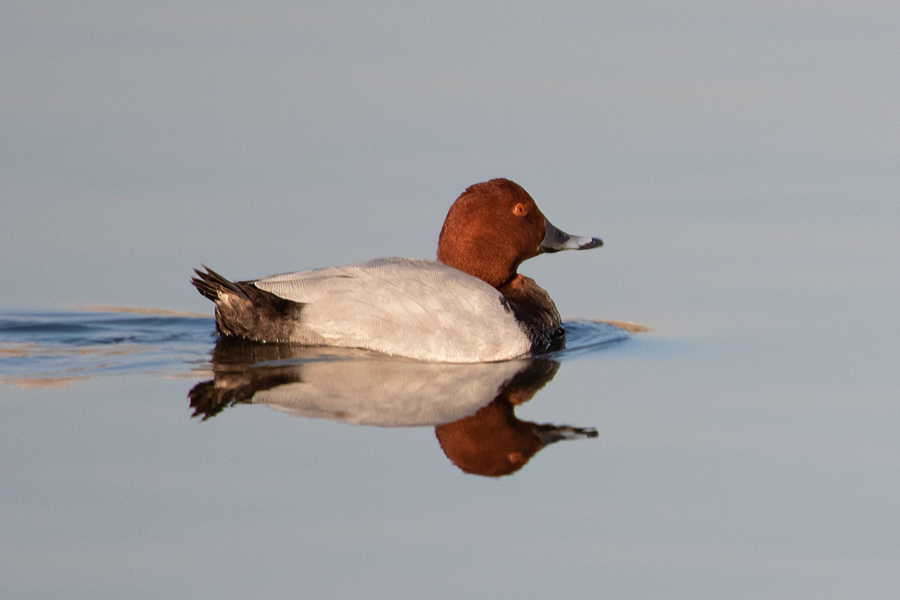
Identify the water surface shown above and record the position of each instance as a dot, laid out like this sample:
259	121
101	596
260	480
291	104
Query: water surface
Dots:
637	464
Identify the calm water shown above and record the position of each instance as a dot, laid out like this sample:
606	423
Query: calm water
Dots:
651	466
740	161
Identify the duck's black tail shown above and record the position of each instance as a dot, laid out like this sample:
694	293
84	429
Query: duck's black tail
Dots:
244	310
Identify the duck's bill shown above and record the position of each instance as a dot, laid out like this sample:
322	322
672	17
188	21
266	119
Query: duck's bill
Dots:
549	433
556	240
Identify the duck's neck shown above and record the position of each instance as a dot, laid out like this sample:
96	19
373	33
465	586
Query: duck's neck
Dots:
496	273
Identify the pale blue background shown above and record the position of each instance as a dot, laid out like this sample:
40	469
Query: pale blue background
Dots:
141	139
741	160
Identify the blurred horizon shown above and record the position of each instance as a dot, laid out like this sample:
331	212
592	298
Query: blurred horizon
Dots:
139	141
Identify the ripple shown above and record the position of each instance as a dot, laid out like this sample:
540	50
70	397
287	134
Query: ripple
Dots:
41	349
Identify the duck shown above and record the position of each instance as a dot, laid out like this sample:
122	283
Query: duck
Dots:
469	306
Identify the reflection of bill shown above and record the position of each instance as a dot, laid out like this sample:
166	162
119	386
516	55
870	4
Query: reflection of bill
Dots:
471	406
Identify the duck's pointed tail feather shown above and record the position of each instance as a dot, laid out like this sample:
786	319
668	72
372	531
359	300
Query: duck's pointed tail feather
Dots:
212	285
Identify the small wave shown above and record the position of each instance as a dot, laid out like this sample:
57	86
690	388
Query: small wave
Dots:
54	349
145	311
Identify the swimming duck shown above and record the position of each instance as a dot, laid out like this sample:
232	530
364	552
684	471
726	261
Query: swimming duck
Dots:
468	306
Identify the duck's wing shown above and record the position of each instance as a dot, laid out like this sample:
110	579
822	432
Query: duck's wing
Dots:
315	284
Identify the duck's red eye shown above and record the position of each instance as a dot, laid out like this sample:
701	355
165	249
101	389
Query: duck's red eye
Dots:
519	210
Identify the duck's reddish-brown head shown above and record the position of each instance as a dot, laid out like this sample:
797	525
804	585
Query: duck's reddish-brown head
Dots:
494	226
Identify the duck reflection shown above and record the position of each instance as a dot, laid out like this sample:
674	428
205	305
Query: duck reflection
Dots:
471	406
493	442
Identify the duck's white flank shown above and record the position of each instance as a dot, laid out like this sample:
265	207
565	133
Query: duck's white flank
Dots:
416	308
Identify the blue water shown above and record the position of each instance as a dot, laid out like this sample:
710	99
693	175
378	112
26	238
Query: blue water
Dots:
50	345
141	458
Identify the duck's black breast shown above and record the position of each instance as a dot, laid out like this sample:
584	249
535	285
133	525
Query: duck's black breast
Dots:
535	312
